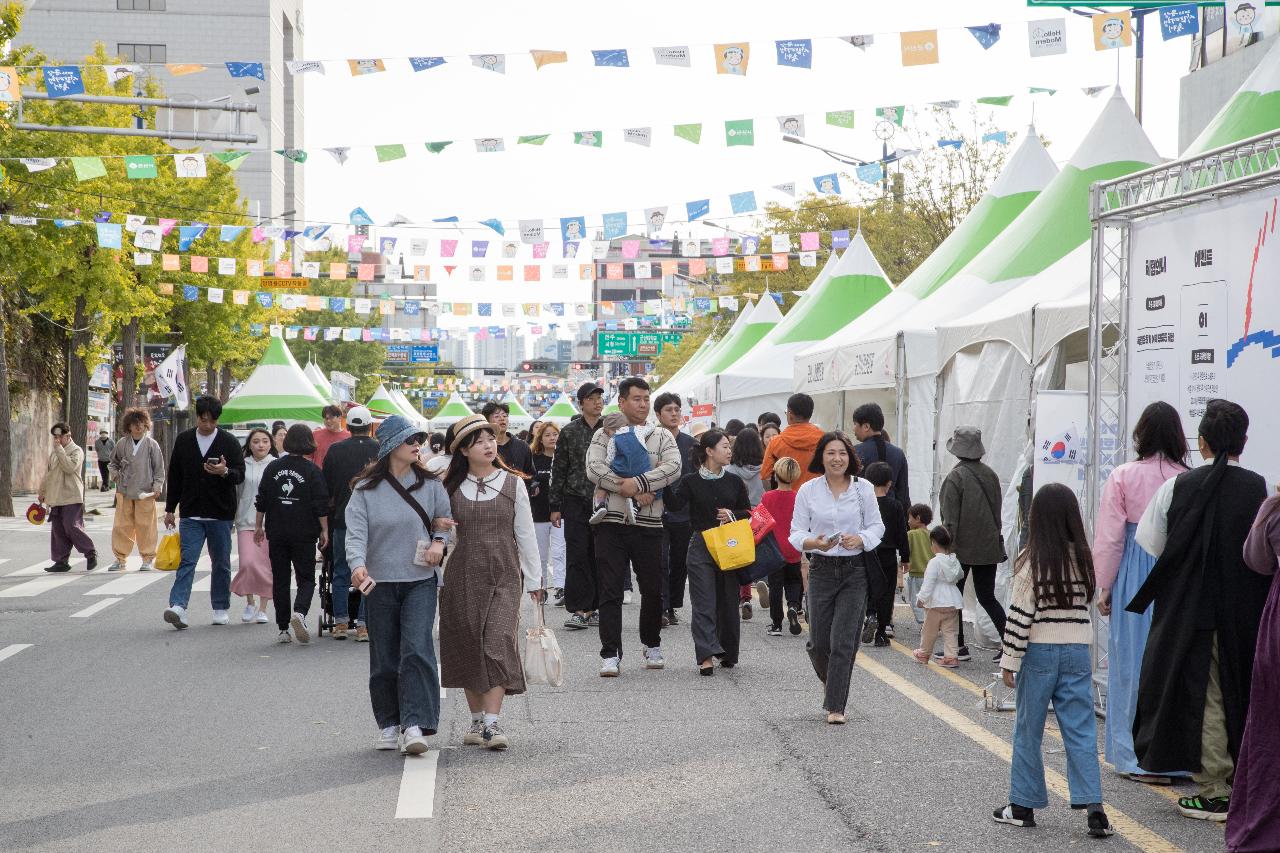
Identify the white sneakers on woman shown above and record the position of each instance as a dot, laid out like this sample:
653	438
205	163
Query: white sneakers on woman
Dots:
388	738
249	614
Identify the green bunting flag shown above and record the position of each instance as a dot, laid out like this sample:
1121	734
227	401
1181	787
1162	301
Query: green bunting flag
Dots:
387	153
691	132
297	155
739	132
590	138
437	147
1037	90
138	166
1001	101
840	118
88	167
893	114
536	139
231	159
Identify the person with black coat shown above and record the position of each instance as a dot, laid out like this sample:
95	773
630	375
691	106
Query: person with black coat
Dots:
868	428
894	552
342	463
713	496
293	515
205	467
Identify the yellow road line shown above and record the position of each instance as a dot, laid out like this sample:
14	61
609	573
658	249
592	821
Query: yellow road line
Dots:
1125	826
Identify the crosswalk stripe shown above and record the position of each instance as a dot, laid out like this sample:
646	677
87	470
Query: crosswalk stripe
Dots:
126	584
31	588
96	607
11	650
39	568
418	786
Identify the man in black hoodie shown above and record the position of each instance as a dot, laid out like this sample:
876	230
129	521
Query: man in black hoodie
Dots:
206	466
342	463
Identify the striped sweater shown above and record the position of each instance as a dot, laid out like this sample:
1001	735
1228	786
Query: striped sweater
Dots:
1033	621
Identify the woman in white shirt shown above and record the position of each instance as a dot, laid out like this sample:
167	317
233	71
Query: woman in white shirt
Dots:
496	553
253	574
837	523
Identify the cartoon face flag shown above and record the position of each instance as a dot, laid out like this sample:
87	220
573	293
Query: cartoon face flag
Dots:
190	165
655	218
510	249
361	67
828	183
569	250
590	138
791	125
732	58
148	238
1112	30
860	42
118	73
489	145
531	230
573	228
496	62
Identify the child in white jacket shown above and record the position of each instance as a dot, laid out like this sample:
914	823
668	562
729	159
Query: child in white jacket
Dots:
941	600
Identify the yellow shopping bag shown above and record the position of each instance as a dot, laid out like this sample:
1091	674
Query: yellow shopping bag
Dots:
732	545
169	554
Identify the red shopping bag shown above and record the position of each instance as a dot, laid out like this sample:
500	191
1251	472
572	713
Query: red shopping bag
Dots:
762	523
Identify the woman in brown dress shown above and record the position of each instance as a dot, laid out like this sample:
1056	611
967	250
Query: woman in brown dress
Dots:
495	555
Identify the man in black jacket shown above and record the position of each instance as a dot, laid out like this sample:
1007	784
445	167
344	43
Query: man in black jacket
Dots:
676	530
206	466
570	501
342	463
868	428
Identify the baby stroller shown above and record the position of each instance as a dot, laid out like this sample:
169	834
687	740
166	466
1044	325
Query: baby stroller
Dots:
326	596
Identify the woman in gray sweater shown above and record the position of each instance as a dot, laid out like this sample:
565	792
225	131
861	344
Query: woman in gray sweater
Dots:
395	505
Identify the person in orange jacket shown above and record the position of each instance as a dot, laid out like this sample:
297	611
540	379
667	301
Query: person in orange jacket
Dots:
798	440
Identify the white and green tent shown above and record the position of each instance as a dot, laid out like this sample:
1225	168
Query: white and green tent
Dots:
1254	109
694	373
318	379
277	389
408	406
453	410
383	404
561	411
518	417
761	380
740	340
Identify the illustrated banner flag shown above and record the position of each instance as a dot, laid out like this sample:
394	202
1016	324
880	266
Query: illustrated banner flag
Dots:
732	58
1112	30
572	228
739	132
110	235
840	118
987	35
638	135
828	183
38	164
361	67
655	218
781	243
611	58
691	132
246	69
489	145
743	202
426	63
1175	21
548	57
615	225
138	166
479	248
860	42
510	249
792	125
920	47
63	80
496	62
697	209
1047	37
590	138
677	56
304	67
795	53
531	230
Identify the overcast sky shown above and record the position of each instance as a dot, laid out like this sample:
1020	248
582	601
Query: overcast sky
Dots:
460	102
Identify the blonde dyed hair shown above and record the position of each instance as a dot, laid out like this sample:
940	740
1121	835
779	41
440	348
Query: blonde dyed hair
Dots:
786	469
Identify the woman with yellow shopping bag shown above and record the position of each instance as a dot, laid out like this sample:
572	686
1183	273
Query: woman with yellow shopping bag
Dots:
715	497
837	523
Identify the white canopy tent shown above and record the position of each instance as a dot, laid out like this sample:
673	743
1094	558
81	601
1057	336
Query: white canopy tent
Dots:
764	317
518	418
694	373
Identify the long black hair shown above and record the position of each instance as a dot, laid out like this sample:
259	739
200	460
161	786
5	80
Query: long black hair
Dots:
380	469
459	465
1159	431
1057	551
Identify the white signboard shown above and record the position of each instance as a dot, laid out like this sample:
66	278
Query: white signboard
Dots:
1204	316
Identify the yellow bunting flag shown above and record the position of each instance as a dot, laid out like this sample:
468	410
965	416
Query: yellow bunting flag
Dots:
548	57
920	47
180	69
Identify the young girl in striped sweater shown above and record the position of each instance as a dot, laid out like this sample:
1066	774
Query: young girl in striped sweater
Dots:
1049	630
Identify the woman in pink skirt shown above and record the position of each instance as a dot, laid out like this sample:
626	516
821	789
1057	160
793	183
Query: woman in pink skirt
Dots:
253	578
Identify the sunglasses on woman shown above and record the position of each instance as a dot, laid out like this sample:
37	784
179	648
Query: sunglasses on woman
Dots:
415	440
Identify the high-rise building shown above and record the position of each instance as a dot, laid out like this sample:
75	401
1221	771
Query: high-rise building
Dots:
154	33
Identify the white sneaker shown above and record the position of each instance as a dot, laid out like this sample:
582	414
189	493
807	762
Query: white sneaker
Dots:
299	625
249	614
117	566
147	566
283	638
609	668
653	657
176	616
388	738
220	617
262	617
626	596
414	743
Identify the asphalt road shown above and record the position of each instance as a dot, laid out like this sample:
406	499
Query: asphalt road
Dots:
121	734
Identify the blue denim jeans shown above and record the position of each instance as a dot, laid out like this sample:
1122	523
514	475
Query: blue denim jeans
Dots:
1061	673
193	535
341	588
404	678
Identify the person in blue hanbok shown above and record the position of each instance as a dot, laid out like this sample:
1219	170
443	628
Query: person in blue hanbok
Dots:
1122	567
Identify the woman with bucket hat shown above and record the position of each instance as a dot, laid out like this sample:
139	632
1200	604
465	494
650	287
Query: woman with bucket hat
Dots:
494	558
400	577
970	502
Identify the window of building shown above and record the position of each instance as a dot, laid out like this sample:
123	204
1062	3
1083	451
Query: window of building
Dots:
141	5
142	52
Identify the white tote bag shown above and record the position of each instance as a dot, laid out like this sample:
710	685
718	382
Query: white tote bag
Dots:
543	663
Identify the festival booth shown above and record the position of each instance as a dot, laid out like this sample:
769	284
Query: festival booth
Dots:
694	375
277	390
410	408
741	340
561	412
385	402
868	361
453	410
762	380
318	379
517	418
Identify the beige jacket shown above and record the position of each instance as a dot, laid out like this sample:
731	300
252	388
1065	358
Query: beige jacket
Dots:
64	483
139	472
664	462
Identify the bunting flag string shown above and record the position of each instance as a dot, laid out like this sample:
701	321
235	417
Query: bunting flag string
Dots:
918	47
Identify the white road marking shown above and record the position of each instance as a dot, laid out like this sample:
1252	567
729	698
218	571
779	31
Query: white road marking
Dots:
10	651
418	787
38	568
126	584
96	607
37	586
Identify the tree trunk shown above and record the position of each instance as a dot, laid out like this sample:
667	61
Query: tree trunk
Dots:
6	422
129	363
78	376
211	381
224	387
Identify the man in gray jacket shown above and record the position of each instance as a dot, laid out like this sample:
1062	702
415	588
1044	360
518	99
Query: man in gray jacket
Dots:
103	447
970	504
